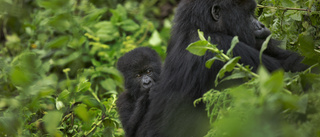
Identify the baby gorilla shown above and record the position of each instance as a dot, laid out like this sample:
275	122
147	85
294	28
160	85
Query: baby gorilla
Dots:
141	68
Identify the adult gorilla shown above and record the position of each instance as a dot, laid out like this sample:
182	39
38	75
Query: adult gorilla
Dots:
185	78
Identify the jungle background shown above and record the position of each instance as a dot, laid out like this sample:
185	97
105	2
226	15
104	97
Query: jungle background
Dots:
58	75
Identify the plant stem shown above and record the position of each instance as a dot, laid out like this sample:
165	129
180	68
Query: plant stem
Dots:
240	66
283	8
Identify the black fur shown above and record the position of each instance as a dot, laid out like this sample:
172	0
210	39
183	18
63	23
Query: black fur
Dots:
185	78
141	69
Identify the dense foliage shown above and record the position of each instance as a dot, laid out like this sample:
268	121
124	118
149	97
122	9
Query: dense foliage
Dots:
58	75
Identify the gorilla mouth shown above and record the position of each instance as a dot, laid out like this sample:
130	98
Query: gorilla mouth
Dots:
147	87
262	34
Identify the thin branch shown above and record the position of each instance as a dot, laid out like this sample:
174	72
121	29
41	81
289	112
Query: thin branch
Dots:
283	8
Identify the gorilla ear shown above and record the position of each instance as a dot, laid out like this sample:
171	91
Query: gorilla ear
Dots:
215	12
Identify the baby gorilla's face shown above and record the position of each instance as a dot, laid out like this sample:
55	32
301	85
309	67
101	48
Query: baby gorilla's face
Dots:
145	79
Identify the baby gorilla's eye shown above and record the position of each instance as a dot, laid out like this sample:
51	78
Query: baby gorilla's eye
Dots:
138	75
149	71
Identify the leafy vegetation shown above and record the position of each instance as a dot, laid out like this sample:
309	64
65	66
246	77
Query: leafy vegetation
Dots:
57	63
57	74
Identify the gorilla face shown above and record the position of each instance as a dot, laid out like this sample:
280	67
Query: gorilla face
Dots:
141	69
145	79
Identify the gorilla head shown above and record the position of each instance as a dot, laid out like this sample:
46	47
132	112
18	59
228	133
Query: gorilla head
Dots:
141	69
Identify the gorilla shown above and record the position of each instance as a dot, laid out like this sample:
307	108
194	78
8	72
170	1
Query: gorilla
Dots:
141	69
184	77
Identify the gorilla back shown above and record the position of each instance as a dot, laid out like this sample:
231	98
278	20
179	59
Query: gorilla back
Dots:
185	78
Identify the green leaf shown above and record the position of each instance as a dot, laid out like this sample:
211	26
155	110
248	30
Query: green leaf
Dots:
108	84
270	84
287	3
228	67
82	112
264	74
129	25
20	77
155	38
93	16
83	86
234	42
234	76
51	121
198	48
53	4
91	102
64	95
72	57
211	61
306	47
119	14
264	47
58	42
303	104
275	82
61	22
296	16
201	35
106	31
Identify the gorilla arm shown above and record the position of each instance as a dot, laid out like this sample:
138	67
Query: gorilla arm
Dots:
290	61
141	106
125	108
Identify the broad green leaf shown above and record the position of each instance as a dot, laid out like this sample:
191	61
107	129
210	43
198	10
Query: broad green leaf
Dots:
91	102
106	31
303	104
234	42
82	112
72	57
296	16
93	16
234	76
28	62
64	95
211	61
20	77
53	4
58	42
155	38
228	67
306	47
129	25
12	40
275	83
51	121
198	48
83	86
61	22
119	14
108	84
288	3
